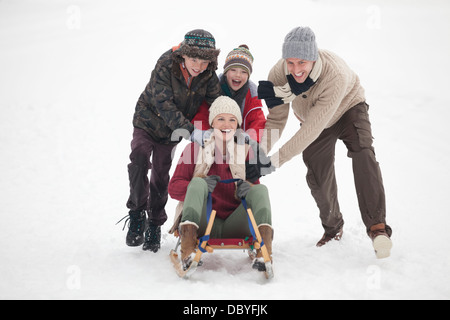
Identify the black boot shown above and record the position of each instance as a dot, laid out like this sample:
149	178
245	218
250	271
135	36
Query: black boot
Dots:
152	238
136	226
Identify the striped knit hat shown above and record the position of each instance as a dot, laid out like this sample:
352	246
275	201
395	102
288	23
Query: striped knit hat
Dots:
239	58
200	38
199	44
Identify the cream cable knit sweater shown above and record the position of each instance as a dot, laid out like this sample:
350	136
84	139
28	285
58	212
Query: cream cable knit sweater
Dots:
336	91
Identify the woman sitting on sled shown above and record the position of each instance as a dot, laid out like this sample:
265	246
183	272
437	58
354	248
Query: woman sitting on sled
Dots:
198	173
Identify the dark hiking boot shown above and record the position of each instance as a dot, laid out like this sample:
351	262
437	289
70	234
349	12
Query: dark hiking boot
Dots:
328	237
152	238
136	226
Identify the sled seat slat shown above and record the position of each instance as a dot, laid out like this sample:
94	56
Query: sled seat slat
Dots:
230	243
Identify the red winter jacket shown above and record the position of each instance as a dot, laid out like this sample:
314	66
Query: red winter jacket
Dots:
223	198
253	116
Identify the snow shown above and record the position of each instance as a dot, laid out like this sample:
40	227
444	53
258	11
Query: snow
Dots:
71	73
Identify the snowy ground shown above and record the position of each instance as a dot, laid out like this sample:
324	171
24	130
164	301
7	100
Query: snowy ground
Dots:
71	73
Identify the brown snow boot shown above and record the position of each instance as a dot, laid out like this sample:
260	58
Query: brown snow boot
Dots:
267	236
381	241
188	242
328	237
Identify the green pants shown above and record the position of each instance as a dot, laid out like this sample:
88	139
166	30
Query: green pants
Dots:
236	225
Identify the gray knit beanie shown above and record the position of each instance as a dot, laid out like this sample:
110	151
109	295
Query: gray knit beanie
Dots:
301	43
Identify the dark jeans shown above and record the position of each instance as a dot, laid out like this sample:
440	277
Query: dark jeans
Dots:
354	129
144	194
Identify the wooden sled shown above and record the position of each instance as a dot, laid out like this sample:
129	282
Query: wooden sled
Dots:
209	245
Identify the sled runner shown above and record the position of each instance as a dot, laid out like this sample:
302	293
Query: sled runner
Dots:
206	244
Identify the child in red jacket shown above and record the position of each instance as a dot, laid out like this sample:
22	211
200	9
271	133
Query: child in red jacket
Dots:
235	83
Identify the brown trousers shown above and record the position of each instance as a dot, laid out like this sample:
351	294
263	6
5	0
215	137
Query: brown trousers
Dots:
354	129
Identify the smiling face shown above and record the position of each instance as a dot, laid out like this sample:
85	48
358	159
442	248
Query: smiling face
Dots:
225	126
299	69
236	78
195	66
